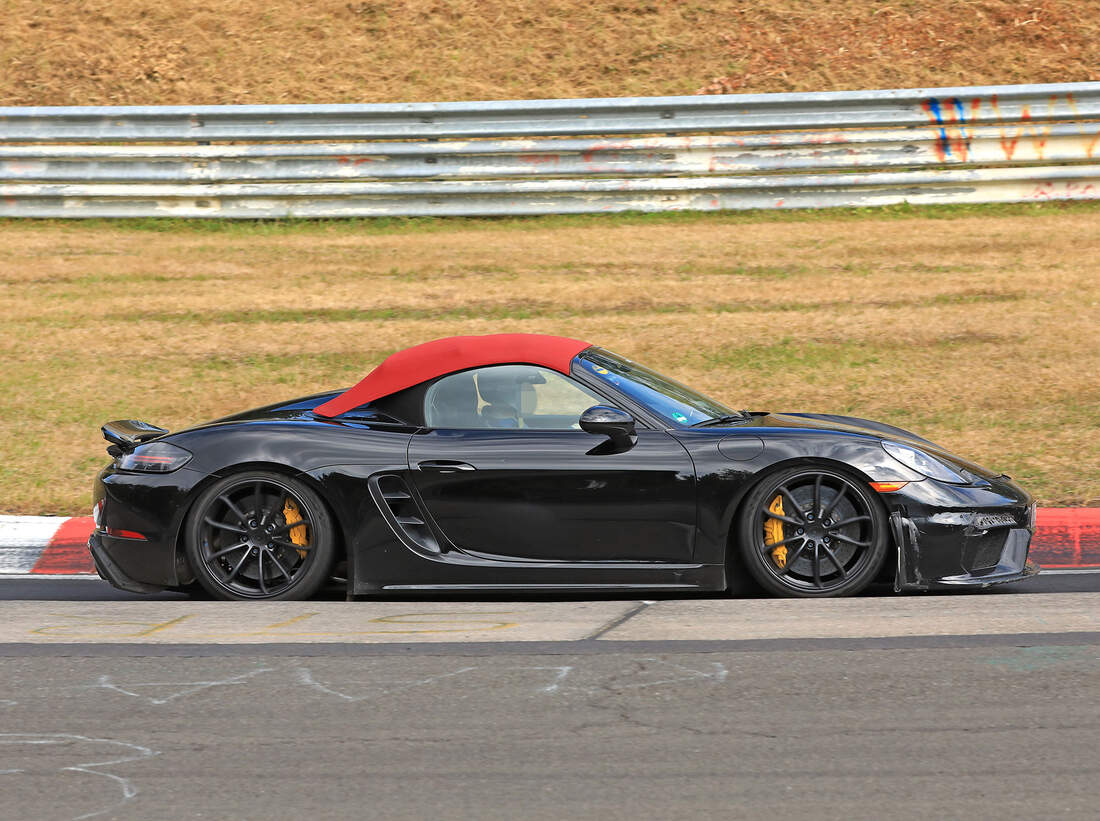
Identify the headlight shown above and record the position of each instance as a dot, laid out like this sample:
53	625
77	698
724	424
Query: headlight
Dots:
155	457
922	463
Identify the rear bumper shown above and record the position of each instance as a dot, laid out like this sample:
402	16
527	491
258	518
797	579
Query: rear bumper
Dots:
152	506
108	568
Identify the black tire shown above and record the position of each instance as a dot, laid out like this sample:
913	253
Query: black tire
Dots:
827	534
242	547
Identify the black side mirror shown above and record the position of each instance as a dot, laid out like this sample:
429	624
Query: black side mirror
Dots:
617	425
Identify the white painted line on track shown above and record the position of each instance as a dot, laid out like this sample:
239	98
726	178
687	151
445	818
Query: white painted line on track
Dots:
1070	571
50	576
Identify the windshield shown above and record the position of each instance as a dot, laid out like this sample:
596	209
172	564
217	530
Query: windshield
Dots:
675	402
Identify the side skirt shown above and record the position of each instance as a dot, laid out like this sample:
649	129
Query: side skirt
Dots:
506	578
445	587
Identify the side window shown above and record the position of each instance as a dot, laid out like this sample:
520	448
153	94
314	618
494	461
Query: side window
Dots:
507	396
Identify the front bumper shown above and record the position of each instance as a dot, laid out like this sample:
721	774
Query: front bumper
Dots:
951	536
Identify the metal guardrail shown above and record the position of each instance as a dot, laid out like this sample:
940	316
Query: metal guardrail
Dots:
978	144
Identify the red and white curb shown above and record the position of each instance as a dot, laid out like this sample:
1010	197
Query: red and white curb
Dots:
1067	539
45	545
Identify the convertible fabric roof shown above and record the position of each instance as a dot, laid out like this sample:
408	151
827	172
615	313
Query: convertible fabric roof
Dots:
455	353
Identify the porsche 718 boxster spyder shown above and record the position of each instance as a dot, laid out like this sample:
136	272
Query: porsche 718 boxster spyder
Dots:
526	462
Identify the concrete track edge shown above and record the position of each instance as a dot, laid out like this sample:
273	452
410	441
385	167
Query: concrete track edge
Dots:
562	648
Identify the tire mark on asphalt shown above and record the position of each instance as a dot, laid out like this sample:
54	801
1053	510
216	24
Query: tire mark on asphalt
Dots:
619	621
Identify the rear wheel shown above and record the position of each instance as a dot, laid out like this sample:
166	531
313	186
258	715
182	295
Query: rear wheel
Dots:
260	535
813	532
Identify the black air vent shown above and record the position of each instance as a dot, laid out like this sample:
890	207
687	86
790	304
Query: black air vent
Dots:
402	513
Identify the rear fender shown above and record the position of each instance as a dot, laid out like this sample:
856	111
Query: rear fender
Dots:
186	575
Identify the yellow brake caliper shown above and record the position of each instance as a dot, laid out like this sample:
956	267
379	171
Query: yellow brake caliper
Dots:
773	532
297	534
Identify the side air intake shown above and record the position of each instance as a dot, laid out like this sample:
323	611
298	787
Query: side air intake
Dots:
399	509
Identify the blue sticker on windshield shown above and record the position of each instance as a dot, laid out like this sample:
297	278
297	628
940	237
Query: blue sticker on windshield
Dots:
679	417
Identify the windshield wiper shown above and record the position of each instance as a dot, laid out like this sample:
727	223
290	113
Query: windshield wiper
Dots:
740	416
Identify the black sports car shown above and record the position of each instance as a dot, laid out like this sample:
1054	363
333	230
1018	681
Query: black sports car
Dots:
521	461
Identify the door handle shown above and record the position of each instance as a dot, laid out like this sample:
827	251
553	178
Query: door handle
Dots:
445	466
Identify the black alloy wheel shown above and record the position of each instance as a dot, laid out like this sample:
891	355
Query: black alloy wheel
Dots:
260	535
813	532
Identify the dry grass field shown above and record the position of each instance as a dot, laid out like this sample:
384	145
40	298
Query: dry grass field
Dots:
979	328
188	52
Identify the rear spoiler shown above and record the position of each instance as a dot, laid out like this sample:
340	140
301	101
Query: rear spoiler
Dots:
126	434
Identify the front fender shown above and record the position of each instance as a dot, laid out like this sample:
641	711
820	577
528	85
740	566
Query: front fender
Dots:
728	463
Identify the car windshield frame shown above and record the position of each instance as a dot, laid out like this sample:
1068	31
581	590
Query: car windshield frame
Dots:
673	402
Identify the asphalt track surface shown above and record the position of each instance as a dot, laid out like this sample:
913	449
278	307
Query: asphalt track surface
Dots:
954	706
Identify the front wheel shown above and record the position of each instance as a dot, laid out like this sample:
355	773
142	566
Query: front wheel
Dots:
260	535
812	532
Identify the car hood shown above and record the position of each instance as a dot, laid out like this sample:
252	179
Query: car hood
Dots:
868	427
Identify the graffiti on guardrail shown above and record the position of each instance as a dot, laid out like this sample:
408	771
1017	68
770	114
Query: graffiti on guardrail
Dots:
954	120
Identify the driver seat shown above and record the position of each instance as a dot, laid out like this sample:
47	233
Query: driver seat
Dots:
454	403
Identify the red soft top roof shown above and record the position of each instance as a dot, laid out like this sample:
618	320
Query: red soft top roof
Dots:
454	353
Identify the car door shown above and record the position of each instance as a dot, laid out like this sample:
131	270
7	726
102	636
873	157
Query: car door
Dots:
504	470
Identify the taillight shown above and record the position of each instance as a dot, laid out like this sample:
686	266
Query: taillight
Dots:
155	457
